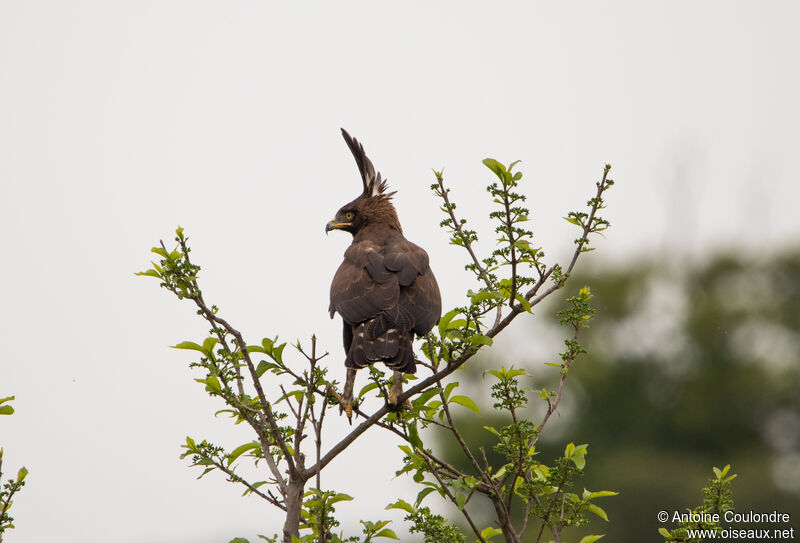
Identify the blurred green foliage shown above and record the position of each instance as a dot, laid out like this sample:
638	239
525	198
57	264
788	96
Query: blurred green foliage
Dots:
690	365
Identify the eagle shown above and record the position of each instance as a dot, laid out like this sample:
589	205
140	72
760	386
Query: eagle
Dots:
384	289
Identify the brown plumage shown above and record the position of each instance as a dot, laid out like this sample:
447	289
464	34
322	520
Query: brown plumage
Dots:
384	289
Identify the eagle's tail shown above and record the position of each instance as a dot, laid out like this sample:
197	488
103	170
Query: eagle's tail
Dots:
381	340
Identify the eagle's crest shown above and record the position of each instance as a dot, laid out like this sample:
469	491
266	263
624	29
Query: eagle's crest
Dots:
374	187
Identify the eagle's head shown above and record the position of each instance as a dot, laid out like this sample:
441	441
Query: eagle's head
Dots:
373	206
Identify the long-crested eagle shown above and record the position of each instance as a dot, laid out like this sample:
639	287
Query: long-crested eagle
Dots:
384	289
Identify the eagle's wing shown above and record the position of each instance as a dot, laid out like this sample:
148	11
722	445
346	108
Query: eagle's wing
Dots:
394	279
419	299
363	287
423	302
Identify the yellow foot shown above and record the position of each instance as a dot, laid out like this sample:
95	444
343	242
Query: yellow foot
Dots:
394	405
345	404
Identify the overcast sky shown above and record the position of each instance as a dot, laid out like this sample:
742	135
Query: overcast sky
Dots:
121	120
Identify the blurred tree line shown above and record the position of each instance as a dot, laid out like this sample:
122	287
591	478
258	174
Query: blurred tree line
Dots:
690	365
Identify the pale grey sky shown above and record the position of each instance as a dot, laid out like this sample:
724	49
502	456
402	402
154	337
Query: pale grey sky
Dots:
121	120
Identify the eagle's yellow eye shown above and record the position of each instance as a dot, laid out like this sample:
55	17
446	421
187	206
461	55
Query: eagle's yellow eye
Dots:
348	216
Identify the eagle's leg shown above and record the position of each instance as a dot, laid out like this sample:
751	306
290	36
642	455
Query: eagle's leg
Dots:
397	390
346	403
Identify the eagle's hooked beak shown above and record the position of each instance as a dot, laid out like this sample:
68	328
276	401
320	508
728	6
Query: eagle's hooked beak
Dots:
333	225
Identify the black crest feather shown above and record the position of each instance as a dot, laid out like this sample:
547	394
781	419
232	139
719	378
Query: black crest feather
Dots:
373	185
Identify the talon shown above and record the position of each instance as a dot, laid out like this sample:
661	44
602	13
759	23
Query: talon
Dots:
346	399
347	408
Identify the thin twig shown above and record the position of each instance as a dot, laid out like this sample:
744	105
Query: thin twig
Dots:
234	477
482	273
265	405
453	499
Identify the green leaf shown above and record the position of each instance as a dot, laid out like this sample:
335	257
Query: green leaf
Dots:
466	402
21	474
498	169
599	494
189	345
664	532
431	408
150	273
208	344
413	435
388	534
590	538
422	493
542	472
597	511
486	295
264	367
502	471
296	394
6	410
457	324
480	339
505	374
238	540
449	388
367	388
401	504
577	454
241	449
543	394
522	244
444	322
461	500
490	532
277	353
340	497
719	473
425	396
212	384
